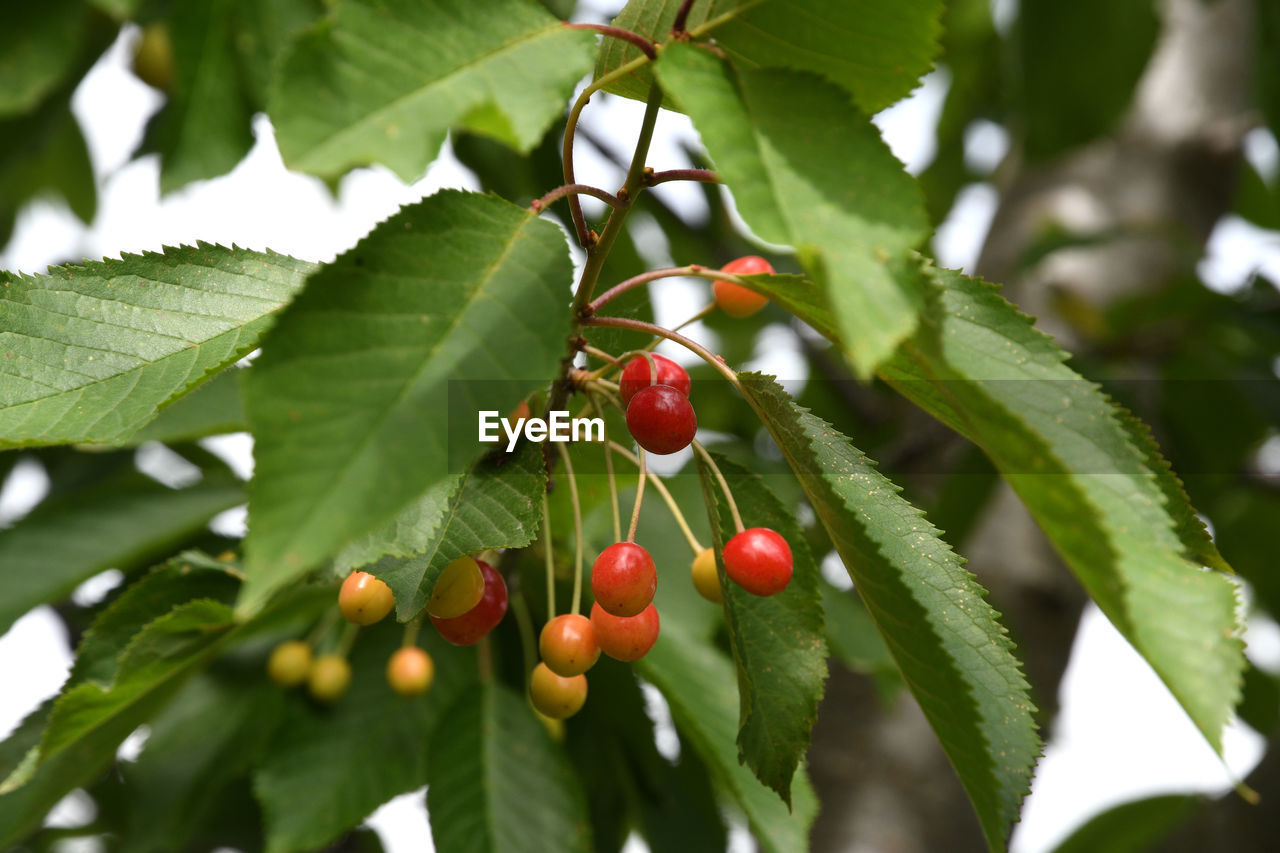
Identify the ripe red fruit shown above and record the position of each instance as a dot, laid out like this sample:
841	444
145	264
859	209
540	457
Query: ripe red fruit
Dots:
624	579
467	629
554	695
661	419
759	561
568	645
734	299
636	376
364	599
625	638
410	671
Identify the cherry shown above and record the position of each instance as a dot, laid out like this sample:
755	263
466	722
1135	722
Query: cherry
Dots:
467	629
636	376
457	590
625	637
568	645
705	578
759	561
734	299
410	671
289	664
624	579
661	419
364	599
329	678
554	695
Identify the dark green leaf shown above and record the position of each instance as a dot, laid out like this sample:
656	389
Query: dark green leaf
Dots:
852	634
41	48
90	353
954	654
498	782
366	395
777	642
1137	825
809	171
382	82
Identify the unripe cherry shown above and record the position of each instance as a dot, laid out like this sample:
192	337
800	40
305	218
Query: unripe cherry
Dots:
364	599
637	376
457	590
624	579
625	638
290	663
467	629
705	578
734	299
758	560
555	695
329	678
568	644
661	419
410	671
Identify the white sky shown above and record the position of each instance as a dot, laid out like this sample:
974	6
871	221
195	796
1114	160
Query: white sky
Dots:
1120	734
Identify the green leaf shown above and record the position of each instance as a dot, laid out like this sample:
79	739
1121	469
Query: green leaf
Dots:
778	641
366	395
498	504
327	768
809	171
1136	825
499	783
263	31
124	522
382	82
23	805
1093	480
90	353
954	654
42	47
852	634
214	408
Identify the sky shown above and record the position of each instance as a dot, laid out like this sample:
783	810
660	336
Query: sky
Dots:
1120	734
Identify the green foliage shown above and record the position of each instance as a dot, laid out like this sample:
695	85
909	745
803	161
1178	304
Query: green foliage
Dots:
1136	825
32	66
955	656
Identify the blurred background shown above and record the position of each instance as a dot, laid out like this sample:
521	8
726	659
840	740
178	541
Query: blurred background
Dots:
1114	165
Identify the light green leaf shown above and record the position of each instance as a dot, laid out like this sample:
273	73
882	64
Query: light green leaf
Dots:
809	171
499	783
1093	480
90	353
382	82
954	654
498	504
777	642
42	46
367	394
213	408
122	523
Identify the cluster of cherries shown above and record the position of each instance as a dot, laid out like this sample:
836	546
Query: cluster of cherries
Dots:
470	596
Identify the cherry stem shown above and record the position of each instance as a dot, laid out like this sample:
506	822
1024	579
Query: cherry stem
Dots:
577	526
635	512
670	501
695	318
540	204
601	355
412	628
682	16
652	329
528	643
550	556
484	658
706	176
619	33
724	485
608	468
323	627
692	270
348	639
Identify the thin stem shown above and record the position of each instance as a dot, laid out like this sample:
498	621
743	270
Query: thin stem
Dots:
693	270
724	485
551	563
652	329
577	526
705	176
601	355
411	630
608	468
619	33
540	204
528	643
635	512
323	627
348	639
484	658
670	501
682	16
695	318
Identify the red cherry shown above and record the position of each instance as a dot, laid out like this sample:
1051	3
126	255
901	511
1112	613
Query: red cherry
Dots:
467	629
661	419
624	579
554	695
759	561
568	645
625	637
734	299
636	376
